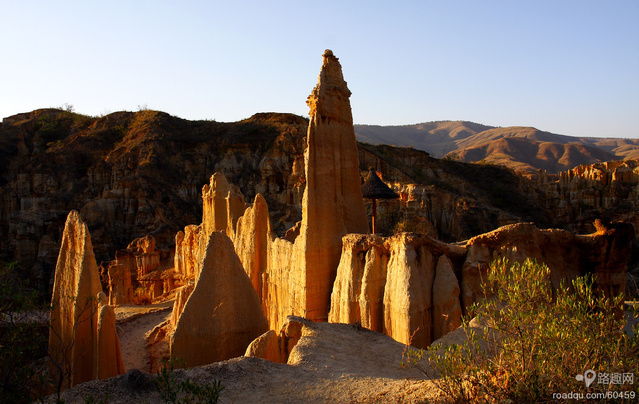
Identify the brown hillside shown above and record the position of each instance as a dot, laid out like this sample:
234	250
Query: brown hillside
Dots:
526	155
130	174
436	138
512	132
628	149
473	142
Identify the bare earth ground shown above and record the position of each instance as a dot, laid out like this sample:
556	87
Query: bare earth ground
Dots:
330	363
127	312
134	325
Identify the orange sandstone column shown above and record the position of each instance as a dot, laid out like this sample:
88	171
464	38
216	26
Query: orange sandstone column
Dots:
332	205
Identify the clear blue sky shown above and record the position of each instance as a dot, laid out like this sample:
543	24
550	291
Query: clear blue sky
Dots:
569	67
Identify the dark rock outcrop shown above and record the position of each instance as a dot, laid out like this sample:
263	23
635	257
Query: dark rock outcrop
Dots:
136	174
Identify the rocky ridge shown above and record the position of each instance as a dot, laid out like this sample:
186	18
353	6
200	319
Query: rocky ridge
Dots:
411	287
131	175
136	174
234	272
524	149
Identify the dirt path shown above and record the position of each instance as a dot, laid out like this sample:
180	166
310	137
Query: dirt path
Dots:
331	363
133	336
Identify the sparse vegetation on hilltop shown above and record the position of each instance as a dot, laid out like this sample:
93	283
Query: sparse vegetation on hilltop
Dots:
149	161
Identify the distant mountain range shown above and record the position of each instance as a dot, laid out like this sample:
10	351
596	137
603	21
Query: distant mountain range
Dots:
523	149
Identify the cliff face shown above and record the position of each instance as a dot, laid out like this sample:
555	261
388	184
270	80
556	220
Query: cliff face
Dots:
599	191
133	174
447	199
605	191
414	288
456	200
409	286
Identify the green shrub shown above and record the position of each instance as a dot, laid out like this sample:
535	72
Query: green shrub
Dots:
185	391
22	339
387	219
53	127
531	344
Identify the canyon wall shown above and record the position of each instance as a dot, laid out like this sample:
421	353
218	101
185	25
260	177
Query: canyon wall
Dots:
131	175
139	272
599	191
136	174
415	288
411	287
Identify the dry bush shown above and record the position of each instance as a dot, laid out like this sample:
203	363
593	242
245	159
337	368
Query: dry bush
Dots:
533	344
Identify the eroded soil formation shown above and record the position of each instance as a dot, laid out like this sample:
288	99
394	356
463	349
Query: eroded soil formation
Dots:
320	309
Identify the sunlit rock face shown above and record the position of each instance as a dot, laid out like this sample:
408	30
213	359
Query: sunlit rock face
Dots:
83	342
397	285
415	288
139	272
576	197
223	314
295	275
603	254
409	286
223	204
188	247
251	242
120	286
181	298
332	205
278	347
